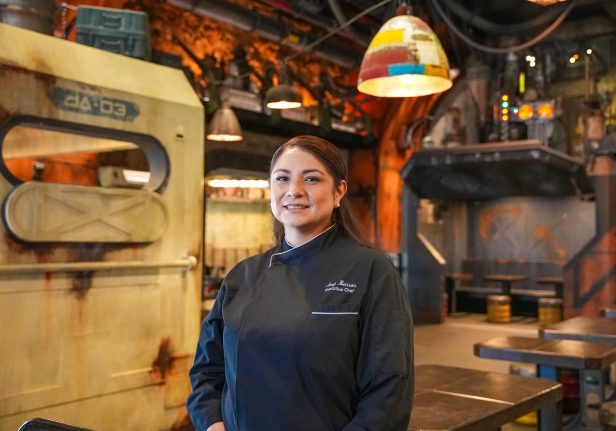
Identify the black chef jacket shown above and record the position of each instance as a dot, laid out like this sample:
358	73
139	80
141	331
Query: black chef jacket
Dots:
315	338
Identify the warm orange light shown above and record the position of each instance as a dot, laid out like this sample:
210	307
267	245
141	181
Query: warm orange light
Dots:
505	117
505	111
505	97
546	111
526	112
546	2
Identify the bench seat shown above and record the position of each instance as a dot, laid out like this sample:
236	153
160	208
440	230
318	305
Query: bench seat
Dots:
480	290
536	293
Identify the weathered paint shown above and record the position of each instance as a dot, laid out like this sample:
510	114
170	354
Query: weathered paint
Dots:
590	277
490	216
83	342
163	363
82	282
543	233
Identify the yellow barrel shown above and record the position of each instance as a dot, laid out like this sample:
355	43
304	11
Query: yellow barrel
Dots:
550	310
499	308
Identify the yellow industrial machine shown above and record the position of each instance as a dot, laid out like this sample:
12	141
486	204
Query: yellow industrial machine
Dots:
100	274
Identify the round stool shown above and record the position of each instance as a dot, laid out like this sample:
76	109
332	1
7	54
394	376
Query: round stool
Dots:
499	308
550	310
607	416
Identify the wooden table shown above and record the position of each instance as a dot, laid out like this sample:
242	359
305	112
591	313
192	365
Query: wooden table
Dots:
451	398
587	357
596	329
506	280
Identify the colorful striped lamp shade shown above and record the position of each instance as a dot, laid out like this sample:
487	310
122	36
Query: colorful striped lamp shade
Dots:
405	59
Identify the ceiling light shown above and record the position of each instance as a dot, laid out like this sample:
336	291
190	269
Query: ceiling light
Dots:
224	126
404	59
282	96
546	2
229	182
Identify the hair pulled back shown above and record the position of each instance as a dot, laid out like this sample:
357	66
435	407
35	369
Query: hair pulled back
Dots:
334	162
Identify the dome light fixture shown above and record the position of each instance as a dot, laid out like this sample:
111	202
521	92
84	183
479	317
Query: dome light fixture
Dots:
225	126
404	59
282	96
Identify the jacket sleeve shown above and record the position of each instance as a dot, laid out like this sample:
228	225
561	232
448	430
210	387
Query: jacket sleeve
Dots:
207	375
385	363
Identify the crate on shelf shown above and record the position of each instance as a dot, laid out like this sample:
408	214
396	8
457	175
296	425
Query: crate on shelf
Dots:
116	30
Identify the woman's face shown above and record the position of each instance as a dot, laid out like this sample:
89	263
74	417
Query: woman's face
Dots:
303	195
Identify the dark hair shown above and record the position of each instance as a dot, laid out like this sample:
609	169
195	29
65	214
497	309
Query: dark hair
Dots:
333	161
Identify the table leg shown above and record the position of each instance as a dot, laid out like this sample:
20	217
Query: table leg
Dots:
450	288
591	382
551	417
558	290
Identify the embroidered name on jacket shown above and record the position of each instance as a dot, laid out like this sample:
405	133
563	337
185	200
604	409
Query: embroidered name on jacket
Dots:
340	286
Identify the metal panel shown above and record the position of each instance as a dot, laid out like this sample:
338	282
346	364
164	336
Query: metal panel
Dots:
102	346
83	214
493	171
423	267
532	229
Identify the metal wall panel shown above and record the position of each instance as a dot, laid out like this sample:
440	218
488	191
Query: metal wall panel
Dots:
533	229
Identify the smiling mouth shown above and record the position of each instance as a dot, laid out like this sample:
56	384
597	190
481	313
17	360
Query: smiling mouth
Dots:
295	207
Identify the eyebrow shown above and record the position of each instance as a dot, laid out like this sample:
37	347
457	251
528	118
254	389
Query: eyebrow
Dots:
305	171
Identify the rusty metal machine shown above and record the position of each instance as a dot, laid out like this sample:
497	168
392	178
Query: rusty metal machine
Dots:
99	283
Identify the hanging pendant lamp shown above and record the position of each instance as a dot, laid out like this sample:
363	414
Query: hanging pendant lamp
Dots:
224	126
404	59
282	96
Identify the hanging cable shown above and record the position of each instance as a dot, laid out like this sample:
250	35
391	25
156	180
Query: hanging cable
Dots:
341	18
332	32
340	27
474	20
493	50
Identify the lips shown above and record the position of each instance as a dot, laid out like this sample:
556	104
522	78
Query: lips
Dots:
295	206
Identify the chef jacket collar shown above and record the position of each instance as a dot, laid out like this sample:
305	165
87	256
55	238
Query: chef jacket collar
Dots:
289	253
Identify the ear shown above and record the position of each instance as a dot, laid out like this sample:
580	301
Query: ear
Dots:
341	190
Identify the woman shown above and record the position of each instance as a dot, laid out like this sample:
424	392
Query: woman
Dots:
314	334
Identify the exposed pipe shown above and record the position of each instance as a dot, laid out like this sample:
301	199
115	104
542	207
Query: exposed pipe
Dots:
492	50
481	23
303	14
273	30
185	264
341	18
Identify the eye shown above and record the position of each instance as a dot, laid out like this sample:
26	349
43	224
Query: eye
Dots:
281	178
312	179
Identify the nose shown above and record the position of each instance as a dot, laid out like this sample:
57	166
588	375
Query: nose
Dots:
296	187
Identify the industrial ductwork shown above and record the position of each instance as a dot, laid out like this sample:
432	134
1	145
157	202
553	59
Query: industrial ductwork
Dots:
268	28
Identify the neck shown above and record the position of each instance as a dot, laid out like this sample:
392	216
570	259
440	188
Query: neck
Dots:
295	239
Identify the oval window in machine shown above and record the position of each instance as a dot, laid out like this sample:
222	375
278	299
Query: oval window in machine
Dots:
80	183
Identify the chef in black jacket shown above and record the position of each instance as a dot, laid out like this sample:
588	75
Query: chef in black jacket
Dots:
314	334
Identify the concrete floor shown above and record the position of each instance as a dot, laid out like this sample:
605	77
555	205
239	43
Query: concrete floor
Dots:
451	343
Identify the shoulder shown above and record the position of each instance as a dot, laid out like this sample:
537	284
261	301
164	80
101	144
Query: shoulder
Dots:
367	255
248	267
